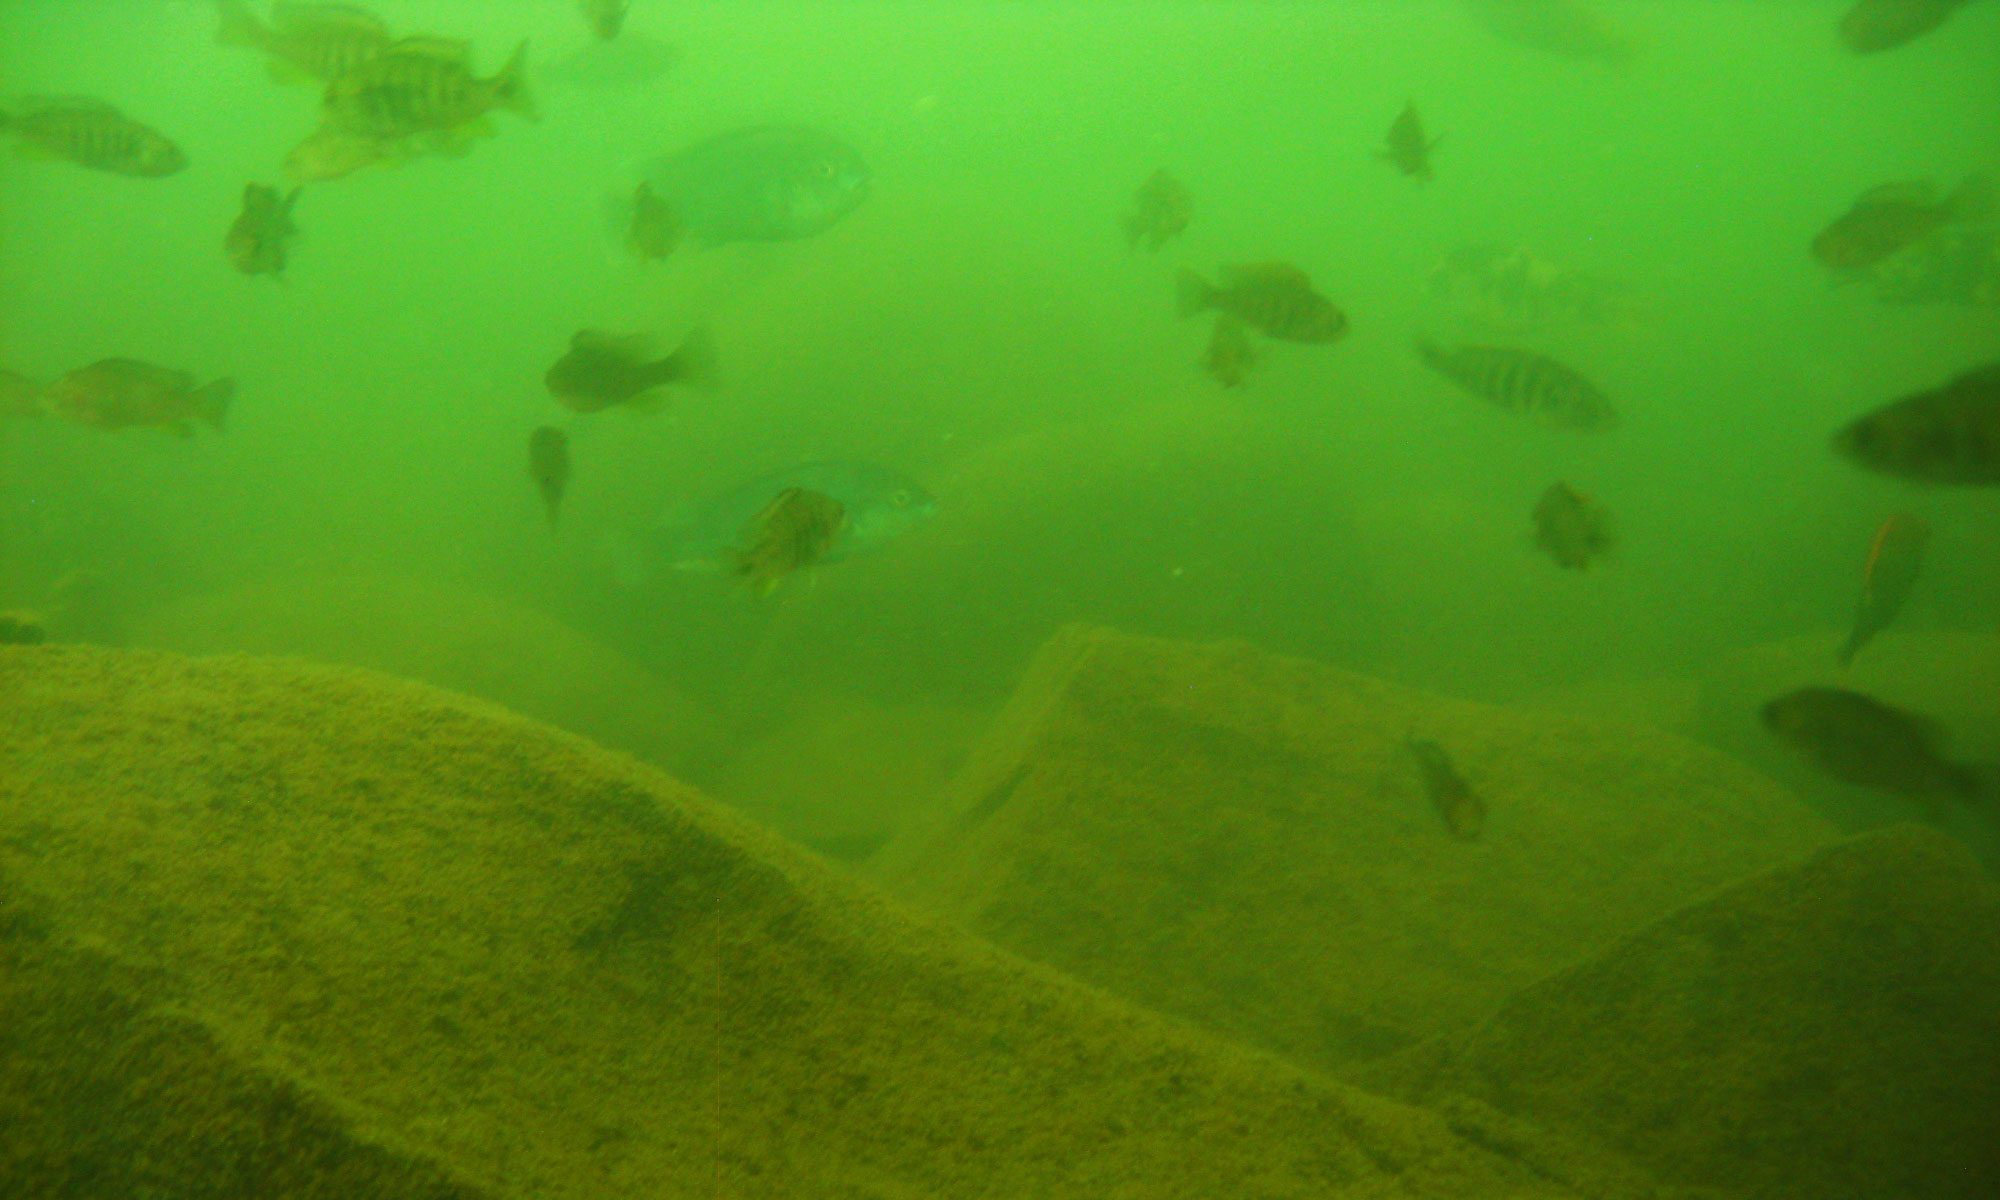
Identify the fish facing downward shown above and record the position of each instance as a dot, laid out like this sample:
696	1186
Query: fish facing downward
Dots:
1277	299
793	532
1463	811
116	393
1895	559
1407	147
603	370
256	241
548	466
1523	381
1160	211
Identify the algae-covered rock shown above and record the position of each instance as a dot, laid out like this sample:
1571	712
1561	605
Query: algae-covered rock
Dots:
1823	1032
535	969
1244	840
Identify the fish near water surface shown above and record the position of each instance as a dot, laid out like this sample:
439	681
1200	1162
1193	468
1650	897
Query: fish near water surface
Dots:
1407	147
603	370
91	133
117	393
768	183
1463	812
1895	560
1946	435
1276	299
1872	26
793	532
256	241
1570	527
1525	382
1888	218
880	505
317	42
549	466
1860	740
1160	211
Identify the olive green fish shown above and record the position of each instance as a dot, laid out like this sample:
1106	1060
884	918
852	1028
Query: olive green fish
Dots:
1464	813
115	393
319	42
1407	146
91	133
1945	435
256	241
1570	527
603	370
424	85
793	532
1523	381
1159	212
1230	356
1860	740
1276	299
654	230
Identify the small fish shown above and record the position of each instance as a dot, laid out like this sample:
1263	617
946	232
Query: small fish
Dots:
1159	213
1887	218
1407	146
766	183
331	154
22	629
1229	357
318	42
1860	740
1946	435
256	242
548	465
1523	381
20	396
1274	298
794	531
881	505
1565	28
115	393
424	85
1570	527
606	17
1895	559
91	133
1463	811
654	232
602	370
1876	25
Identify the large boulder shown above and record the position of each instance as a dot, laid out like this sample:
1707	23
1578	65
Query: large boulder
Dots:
1823	1032
1245	840
323	933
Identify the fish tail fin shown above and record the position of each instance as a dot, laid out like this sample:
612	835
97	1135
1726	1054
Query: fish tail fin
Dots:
212	402
693	363
240	26
1193	292
511	88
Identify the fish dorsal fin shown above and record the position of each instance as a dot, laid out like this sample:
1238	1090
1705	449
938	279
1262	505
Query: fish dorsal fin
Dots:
1905	191
296	18
1273	275
443	49
631	347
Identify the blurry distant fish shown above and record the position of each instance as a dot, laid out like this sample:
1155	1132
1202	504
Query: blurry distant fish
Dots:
602	370
1890	217
22	629
1523	381
1159	212
424	85
1570	527
90	133
1873	25
1229	355
256	242
1274	298
318	42
1956	264
1895	559
1516	289
333	154
1463	811
793	532
654	232
548	465
632	60
880	505
1860	740
20	396
1948	435
1566	28
606	17
1407	146
114	393
770	183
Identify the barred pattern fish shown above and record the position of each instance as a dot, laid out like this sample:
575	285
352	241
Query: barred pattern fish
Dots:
422	85
320	41
91	133
1523	381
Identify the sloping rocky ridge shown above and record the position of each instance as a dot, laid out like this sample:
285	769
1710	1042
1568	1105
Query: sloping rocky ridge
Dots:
317	917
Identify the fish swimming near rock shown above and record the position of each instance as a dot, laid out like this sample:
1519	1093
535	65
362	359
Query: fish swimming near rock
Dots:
1407	148
603	370
1276	299
116	393
1895	560
314	42
1525	382
424	85
1885	219
793	532
548	466
1159	213
1570	527
880	504
20	628
90	133
256	241
1946	435
768	183
1872	26
1464	813
1229	356
1860	740
20	396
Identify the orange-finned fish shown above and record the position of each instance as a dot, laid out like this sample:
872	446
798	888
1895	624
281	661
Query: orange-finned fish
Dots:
1895	559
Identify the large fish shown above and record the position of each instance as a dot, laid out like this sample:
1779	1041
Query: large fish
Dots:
1948	435
879	506
769	183
91	133
1895	559
1885	219
1523	381
1860	740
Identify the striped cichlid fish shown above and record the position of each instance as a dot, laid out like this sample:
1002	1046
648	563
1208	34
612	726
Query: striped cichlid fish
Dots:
424	85
317	41
91	133
1523	381
1274	298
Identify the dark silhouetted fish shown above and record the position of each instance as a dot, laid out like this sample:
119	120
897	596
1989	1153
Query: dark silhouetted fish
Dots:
116	393
1407	146
1277	299
1570	527
1895	559
1888	218
603	370
1860	740
1947	435
1159	212
548	465
1523	381
256	241
1463	811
